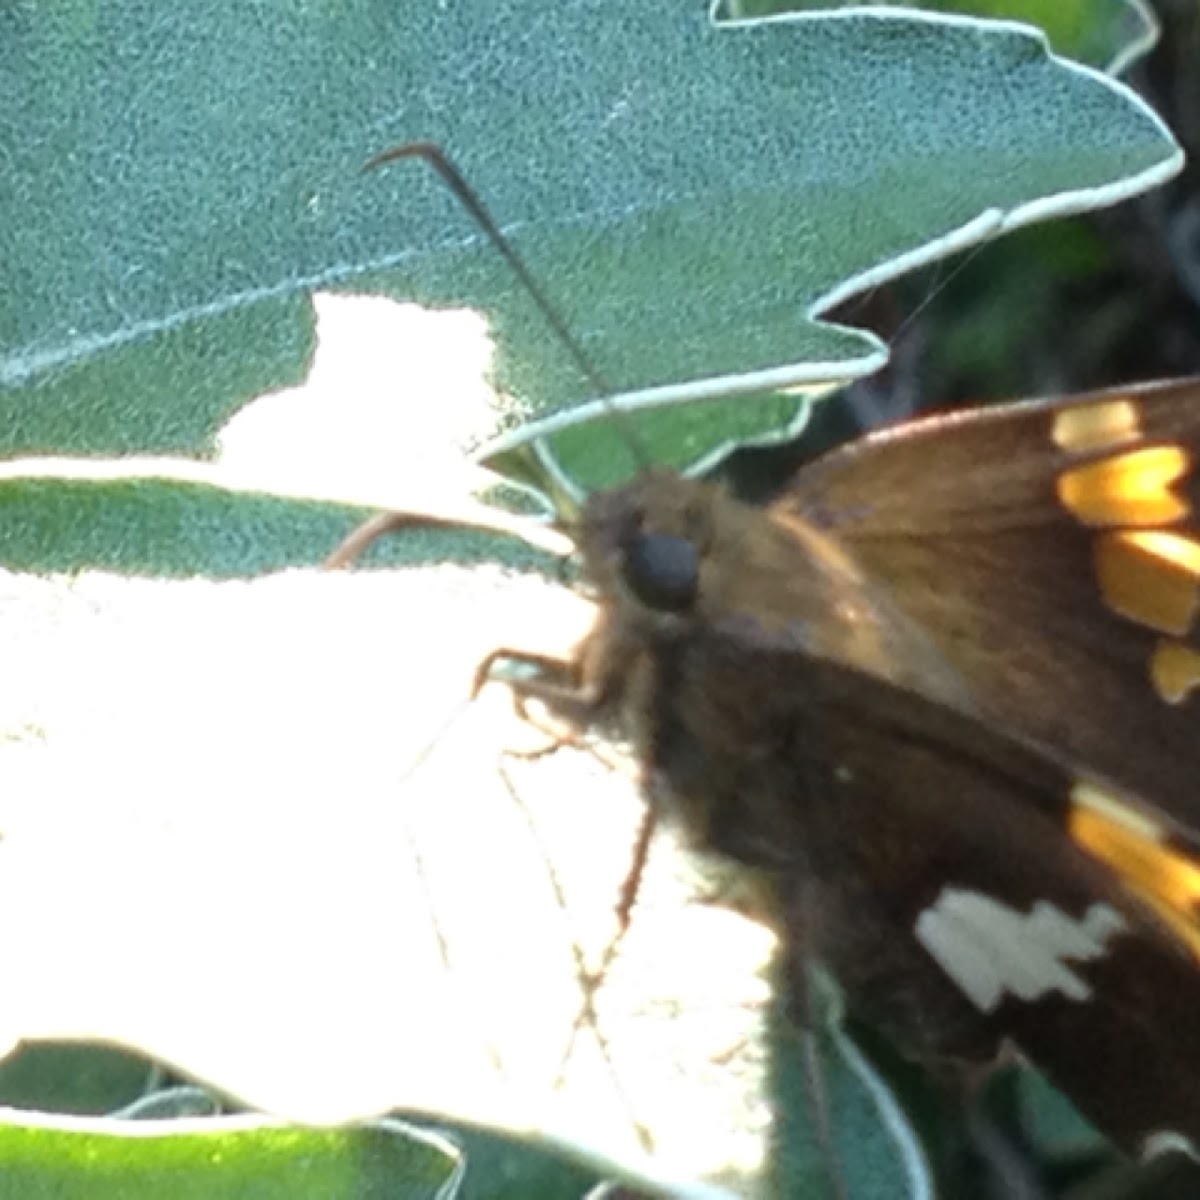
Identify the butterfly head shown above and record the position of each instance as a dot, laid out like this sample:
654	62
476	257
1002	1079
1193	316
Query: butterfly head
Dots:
649	542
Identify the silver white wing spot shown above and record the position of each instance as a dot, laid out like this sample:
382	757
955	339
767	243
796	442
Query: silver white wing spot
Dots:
988	948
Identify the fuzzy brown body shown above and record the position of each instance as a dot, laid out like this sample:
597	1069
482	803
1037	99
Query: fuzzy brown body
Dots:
941	694
911	693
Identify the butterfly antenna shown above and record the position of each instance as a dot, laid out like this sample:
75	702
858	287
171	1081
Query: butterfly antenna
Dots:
435	156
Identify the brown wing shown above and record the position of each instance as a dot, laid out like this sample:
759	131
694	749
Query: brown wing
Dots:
966	845
937	867
1051	551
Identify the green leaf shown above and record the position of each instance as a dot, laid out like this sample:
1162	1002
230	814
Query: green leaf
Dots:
690	192
232	1157
1107	34
72	1079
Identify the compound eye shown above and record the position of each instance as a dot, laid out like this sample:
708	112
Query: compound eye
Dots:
662	571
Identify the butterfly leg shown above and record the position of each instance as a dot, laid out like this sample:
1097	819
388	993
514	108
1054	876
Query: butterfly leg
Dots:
805	1004
820	1112
574	704
590	980
558	688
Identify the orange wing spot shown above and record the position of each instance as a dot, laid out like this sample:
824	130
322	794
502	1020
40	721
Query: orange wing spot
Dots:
1128	489
1152	578
1161	876
1175	669
1092	427
1114	809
